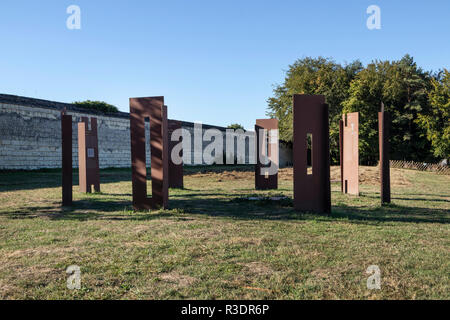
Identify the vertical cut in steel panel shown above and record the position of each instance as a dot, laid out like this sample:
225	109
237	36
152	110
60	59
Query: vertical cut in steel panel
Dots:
263	181
66	147
312	192
175	170
154	109
384	125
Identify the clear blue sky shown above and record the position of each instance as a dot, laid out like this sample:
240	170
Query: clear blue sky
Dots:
214	61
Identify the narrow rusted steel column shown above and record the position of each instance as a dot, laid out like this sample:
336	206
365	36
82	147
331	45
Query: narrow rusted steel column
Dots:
312	192
341	152
154	109
175	170
66	147
350	174
88	157
384	126
269	148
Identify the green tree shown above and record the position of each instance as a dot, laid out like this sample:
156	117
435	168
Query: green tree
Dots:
436	121
97	105
412	85
235	126
402	86
313	76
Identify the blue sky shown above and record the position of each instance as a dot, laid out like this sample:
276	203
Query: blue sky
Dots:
214	61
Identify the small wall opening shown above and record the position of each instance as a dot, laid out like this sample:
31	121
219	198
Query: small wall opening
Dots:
309	153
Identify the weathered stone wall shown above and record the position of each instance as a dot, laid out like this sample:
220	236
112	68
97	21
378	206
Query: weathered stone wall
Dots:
30	135
31	138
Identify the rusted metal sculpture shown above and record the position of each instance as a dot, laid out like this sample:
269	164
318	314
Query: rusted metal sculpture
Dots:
349	140
267	145
341	152
175	170
154	109
66	147
88	162
312	192
384	126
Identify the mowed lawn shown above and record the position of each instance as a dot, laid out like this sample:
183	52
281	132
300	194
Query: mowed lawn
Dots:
214	243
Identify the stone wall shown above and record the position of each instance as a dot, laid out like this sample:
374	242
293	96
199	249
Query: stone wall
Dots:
30	135
31	138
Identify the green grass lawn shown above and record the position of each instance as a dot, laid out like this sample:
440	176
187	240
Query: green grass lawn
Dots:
215	244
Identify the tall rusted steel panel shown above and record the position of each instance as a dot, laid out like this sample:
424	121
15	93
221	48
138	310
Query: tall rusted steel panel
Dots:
312	192
175	170
341	152
350	153
88	158
268	146
154	109
384	126
66	147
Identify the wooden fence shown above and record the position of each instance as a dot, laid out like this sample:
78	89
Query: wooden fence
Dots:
436	167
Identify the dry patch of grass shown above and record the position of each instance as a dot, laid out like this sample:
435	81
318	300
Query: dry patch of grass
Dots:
177	279
258	268
367	175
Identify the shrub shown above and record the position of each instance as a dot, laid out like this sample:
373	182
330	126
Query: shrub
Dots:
97	105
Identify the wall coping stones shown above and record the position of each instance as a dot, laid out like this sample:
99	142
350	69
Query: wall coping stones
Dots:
54	105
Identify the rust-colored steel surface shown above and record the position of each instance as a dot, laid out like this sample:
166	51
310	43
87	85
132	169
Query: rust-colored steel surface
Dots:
154	109
175	170
350	153
384	125
268	147
66	147
341	152
311	190
88	162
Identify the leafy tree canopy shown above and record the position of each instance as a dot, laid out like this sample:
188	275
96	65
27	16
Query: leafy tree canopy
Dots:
313	76
402	87
435	121
418	104
235	126
97	105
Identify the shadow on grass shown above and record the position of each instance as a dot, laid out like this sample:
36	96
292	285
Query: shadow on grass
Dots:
189	170
30	180
215	203
83	210
51	178
283	210
232	207
392	213
405	197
